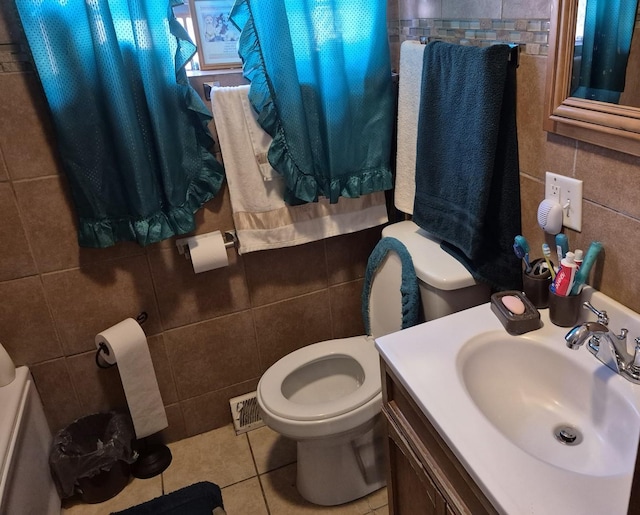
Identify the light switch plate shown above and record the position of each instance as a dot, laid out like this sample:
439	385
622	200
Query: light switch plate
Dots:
568	193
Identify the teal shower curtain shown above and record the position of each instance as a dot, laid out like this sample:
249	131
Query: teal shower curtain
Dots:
608	30
321	84
132	133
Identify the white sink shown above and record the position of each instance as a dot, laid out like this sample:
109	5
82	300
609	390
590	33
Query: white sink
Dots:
548	404
497	401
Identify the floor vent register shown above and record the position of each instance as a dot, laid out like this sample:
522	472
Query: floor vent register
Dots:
245	413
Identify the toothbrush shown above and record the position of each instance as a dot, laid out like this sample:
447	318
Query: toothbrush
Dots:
546	252
562	246
583	272
521	248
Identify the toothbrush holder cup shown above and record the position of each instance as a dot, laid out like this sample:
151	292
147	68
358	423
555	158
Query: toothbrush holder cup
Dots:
564	311
535	284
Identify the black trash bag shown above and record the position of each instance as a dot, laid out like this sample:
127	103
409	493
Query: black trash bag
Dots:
90	446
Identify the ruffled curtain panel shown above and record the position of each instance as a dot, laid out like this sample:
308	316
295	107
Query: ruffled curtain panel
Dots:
132	133
321	84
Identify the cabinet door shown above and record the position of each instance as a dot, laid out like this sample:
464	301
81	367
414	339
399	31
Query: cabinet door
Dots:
411	491
460	493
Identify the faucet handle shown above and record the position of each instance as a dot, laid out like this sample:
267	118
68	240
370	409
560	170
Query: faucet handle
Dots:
602	315
636	355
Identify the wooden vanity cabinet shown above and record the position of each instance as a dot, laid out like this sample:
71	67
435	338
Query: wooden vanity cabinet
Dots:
423	475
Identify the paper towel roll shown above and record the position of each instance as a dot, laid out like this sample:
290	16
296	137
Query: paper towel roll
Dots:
127	345
207	252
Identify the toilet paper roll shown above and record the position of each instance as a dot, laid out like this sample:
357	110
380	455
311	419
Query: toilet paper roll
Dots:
127	345
207	252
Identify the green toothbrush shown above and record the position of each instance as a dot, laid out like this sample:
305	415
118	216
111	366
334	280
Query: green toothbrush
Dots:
583	273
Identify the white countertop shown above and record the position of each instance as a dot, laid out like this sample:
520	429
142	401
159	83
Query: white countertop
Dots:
425	360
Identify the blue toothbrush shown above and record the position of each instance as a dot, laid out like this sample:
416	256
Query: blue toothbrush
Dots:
521	248
562	246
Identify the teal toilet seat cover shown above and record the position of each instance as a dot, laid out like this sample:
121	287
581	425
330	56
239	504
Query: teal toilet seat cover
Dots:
409	288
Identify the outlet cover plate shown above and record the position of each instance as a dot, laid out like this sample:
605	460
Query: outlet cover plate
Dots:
568	193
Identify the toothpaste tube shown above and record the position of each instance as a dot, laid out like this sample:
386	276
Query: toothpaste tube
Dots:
565	276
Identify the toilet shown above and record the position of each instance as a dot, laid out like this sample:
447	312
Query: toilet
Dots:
327	396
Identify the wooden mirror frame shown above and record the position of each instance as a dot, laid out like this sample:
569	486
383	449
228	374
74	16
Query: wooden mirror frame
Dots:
603	124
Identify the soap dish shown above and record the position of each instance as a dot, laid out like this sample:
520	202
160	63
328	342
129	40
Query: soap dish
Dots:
514	323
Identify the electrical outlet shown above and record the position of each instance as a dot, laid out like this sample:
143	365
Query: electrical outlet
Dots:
568	193
554	191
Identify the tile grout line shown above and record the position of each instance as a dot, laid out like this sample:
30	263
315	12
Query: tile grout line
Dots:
255	467
264	496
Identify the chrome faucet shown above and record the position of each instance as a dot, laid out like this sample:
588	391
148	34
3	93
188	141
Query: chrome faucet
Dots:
606	346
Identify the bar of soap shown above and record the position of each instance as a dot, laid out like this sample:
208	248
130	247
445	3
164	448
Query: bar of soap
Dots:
513	304
515	311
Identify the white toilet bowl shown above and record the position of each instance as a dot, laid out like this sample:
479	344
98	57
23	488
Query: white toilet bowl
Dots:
327	396
326	388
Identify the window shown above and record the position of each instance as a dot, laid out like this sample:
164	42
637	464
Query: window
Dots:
183	15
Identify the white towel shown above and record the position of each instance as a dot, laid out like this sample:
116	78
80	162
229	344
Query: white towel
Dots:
411	53
261	217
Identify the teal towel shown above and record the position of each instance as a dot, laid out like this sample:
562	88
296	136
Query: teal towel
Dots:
467	174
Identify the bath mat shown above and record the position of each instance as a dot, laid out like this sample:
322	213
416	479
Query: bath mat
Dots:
198	499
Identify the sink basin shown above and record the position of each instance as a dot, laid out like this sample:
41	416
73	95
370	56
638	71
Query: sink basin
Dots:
555	408
498	401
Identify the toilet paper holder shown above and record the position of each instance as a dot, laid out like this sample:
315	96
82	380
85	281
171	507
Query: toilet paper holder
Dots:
102	348
230	241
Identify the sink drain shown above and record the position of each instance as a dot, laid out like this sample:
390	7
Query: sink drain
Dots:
568	435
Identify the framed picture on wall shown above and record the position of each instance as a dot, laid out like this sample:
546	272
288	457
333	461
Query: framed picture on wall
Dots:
217	38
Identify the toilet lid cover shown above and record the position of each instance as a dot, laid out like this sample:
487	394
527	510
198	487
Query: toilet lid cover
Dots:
407	283
359	348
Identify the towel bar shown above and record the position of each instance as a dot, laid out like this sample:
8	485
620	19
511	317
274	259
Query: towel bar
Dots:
514	56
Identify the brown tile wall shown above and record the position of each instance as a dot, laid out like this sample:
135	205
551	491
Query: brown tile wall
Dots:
611	189
210	335
213	334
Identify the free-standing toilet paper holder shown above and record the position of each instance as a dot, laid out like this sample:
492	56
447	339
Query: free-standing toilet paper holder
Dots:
153	458
102	348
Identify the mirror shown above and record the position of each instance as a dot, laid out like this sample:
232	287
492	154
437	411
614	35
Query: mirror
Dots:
605	64
605	124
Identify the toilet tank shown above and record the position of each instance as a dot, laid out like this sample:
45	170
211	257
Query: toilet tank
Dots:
26	487
446	286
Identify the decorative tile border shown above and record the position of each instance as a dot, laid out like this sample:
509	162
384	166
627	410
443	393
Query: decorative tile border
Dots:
533	34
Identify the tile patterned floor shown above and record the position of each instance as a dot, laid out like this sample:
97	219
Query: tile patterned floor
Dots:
256	472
